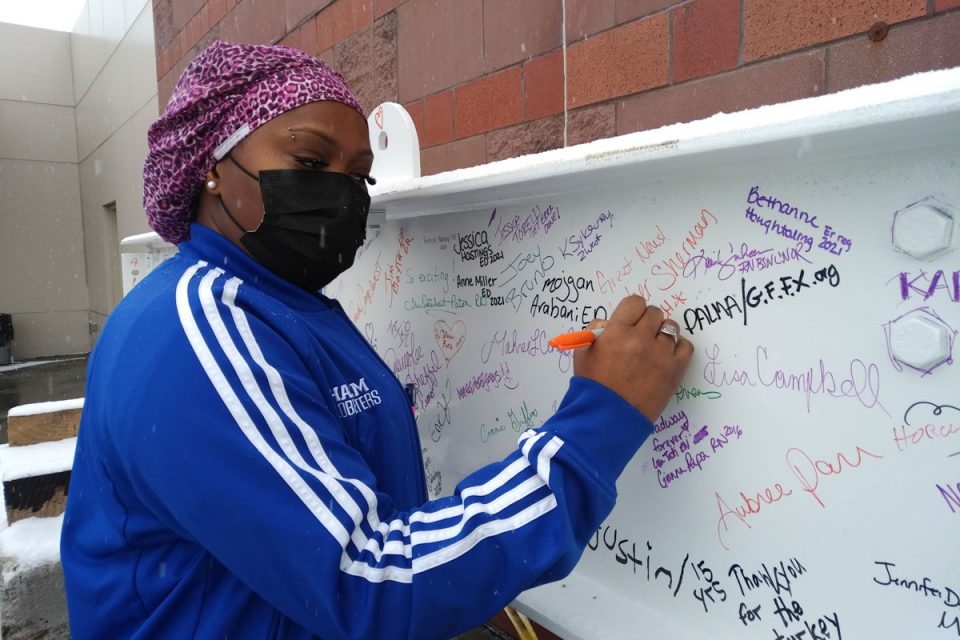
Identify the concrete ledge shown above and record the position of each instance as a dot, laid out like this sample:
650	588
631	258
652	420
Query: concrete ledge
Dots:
33	603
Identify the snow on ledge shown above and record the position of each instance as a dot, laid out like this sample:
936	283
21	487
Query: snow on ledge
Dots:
30	543
36	459
45	407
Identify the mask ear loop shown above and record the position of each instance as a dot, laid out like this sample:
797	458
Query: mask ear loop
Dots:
223	205
242	168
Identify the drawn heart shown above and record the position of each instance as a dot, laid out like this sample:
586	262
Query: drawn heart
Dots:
378	117
449	337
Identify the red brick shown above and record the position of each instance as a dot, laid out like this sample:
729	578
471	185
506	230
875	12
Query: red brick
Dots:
587	17
175	54
169	80
543	86
208	38
523	139
492	102
910	48
168	57
438	119
592	123
296	11
303	37
160	63
945	5
197	27
308	37
628	10
368	61
293	39
205	23
253	22
381	7
182	42
362	13
191	33
164	89
789	78
435	51
216	9
163	25
706	38
771	27
415	109
453	155
515	31
334	24
618	62
329	56
183	10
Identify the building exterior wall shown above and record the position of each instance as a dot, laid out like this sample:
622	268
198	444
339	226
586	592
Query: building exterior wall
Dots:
74	111
42	282
485	80
116	100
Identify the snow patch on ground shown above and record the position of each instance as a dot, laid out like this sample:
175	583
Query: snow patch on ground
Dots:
30	543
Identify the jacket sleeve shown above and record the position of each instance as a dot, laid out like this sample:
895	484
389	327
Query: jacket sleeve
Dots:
255	468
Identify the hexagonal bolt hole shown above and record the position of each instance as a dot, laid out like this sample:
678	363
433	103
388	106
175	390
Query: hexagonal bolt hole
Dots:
924	229
920	341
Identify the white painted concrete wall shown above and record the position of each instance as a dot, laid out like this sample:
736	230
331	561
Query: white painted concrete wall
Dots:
74	112
42	270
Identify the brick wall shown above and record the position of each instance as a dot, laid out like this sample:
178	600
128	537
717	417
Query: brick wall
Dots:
484	79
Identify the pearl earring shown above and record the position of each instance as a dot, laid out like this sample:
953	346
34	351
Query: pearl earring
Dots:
211	184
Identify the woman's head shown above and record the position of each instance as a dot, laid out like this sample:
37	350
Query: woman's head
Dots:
271	107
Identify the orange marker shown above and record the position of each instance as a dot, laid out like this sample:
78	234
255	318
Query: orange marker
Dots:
575	339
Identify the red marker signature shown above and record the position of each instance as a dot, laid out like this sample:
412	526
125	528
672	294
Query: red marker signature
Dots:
750	505
809	471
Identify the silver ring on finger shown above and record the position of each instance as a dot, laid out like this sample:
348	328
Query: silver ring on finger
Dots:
671	331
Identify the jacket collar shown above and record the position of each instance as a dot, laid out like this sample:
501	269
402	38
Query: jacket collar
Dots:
206	244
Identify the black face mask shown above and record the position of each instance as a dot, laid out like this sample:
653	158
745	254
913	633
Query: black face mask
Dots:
313	223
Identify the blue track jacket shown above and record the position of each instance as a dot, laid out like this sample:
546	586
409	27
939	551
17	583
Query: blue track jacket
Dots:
248	467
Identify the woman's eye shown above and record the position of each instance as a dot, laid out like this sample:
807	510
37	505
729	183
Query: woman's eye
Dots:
316	163
311	163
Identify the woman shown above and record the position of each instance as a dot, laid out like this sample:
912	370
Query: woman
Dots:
220	490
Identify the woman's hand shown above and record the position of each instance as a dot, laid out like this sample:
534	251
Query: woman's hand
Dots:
634	358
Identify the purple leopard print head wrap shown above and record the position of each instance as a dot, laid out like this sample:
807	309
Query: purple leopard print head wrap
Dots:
226	92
